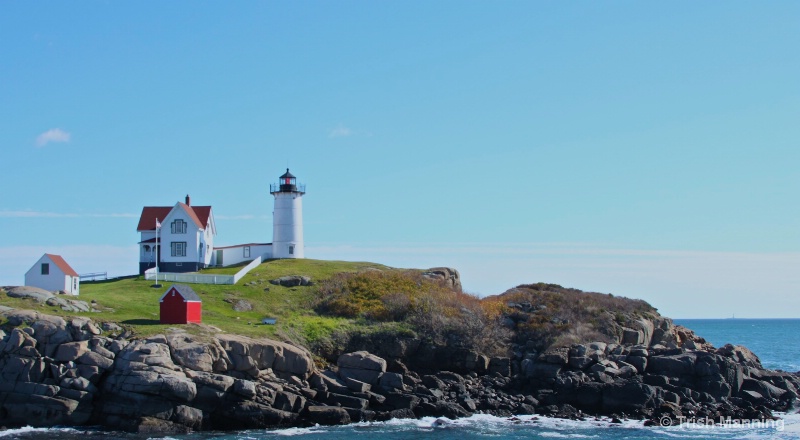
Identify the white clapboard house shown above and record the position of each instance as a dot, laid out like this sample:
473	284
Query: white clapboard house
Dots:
53	273
185	237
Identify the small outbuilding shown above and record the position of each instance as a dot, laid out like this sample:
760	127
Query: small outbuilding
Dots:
53	273
181	305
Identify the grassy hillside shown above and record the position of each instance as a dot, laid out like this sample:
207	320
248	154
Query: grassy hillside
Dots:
133	303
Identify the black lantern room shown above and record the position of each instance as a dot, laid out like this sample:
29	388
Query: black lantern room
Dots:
287	183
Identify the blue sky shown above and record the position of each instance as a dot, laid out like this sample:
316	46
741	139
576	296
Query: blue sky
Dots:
644	149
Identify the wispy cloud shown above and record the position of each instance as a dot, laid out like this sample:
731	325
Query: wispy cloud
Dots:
44	214
340	131
52	135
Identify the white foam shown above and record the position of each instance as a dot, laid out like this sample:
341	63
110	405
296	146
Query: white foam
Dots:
29	429
298	431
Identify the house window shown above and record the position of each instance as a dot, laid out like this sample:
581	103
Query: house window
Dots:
146	248
291	249
178	227
178	248
45	268
247	252
74	284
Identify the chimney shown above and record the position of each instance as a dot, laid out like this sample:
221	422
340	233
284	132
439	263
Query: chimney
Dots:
188	200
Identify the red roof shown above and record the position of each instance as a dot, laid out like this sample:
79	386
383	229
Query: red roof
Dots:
147	222
66	268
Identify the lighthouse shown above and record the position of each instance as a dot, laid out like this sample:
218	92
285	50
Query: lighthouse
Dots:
287	217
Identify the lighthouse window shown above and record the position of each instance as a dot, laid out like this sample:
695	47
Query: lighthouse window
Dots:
291	250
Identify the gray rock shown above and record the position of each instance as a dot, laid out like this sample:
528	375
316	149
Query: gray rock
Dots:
17	340
253	355
361	360
328	415
71	351
244	388
187	416
361	366
631	336
348	401
218	382
290	402
187	351
357	385
110	327
391	381
34	293
673	366
639	362
242	306
93	359
292	281
449	276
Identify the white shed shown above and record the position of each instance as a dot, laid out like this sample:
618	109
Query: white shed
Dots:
52	273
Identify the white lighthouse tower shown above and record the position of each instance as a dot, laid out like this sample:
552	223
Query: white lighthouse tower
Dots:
287	217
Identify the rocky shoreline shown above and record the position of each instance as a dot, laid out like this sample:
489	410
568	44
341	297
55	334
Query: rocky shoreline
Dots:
75	372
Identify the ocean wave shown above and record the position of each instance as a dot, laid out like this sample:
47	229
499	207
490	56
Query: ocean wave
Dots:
524	427
29	430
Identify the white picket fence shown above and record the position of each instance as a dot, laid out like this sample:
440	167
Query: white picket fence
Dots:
201	278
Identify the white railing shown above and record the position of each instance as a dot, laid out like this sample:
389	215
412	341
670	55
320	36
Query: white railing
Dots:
246	269
192	278
201	278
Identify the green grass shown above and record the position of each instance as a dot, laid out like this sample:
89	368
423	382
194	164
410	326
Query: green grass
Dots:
134	304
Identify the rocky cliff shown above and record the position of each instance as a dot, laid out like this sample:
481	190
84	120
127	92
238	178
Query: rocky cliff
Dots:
75	372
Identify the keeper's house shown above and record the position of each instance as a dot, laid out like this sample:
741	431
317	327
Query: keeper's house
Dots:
185	239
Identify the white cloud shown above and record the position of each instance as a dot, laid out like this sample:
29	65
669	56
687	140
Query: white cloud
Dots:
44	214
340	131
52	135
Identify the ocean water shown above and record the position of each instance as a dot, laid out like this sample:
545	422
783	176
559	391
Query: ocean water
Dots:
773	340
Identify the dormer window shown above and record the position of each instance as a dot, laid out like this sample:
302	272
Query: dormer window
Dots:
178	227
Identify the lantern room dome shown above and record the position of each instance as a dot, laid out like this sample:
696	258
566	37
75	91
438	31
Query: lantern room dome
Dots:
287	183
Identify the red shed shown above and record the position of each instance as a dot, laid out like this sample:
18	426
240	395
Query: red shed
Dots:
180	305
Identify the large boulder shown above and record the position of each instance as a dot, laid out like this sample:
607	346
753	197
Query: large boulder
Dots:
362	366
34	293
250	356
447	275
673	366
328	415
292	281
187	350
741	355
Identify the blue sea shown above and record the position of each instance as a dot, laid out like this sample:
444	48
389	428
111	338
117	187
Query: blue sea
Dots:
773	340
